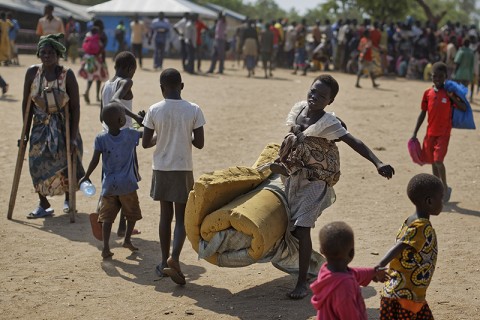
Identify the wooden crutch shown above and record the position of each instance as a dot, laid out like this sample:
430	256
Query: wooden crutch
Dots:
22	147
72	175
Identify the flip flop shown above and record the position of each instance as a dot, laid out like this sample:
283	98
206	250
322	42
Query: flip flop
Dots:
159	272
40	212
176	276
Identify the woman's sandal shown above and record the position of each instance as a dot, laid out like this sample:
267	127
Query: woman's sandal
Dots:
40	212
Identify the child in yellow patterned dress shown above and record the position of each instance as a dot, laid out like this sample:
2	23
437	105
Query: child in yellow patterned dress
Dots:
412	259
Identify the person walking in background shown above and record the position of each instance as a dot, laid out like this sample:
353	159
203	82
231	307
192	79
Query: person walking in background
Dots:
438	104
12	36
160	32
138	30
94	66
199	27
179	28
120	32
72	36
190	36
49	24
219	44
289	48
301	57
267	39
5	50
250	47
365	59
464	64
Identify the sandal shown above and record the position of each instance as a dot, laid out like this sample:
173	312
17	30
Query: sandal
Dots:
159	271
176	276
40	212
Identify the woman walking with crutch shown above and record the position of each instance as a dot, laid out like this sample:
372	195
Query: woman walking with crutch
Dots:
55	108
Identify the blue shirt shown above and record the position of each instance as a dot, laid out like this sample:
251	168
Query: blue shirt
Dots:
162	30
118	159
12	33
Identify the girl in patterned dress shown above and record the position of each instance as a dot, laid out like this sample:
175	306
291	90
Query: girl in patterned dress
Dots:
413	257
310	159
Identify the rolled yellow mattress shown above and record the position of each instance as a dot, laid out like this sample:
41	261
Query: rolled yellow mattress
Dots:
259	214
212	206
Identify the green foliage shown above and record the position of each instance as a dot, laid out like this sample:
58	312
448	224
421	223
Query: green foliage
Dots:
389	10
383	10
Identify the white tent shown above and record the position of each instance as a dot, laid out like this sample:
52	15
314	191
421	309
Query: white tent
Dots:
149	8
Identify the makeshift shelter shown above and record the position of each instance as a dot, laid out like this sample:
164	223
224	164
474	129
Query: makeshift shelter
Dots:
27	12
114	11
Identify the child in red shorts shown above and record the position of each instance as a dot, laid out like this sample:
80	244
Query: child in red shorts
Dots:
438	103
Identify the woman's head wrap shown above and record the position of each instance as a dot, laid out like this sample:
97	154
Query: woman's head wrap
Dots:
54	40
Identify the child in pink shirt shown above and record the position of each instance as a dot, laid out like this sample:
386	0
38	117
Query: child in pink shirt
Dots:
336	292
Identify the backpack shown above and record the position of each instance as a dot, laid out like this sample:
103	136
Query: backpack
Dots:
460	119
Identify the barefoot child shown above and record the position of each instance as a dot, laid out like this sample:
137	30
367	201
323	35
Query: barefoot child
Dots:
179	125
438	103
120	88
336	292
119	183
310	159
412	259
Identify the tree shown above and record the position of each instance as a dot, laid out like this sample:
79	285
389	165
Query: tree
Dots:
381	10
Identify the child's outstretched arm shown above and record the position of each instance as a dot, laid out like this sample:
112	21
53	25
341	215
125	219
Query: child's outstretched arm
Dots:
421	118
125	87
384	170
392	253
91	167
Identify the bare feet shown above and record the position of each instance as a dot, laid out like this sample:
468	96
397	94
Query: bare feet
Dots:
300	292
376	85
130	246
106	254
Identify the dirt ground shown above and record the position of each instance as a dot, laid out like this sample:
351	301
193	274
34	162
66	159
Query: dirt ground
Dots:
52	269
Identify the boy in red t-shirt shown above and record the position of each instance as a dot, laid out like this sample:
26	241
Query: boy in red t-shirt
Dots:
365	58
438	103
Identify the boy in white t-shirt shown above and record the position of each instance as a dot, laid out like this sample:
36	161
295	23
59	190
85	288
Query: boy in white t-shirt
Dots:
178	125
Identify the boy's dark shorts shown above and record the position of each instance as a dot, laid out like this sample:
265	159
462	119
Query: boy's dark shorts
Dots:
172	186
111	205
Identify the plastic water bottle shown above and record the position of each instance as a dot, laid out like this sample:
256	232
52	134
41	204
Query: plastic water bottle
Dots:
88	188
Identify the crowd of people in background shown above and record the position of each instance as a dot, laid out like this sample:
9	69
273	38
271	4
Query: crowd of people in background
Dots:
404	48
